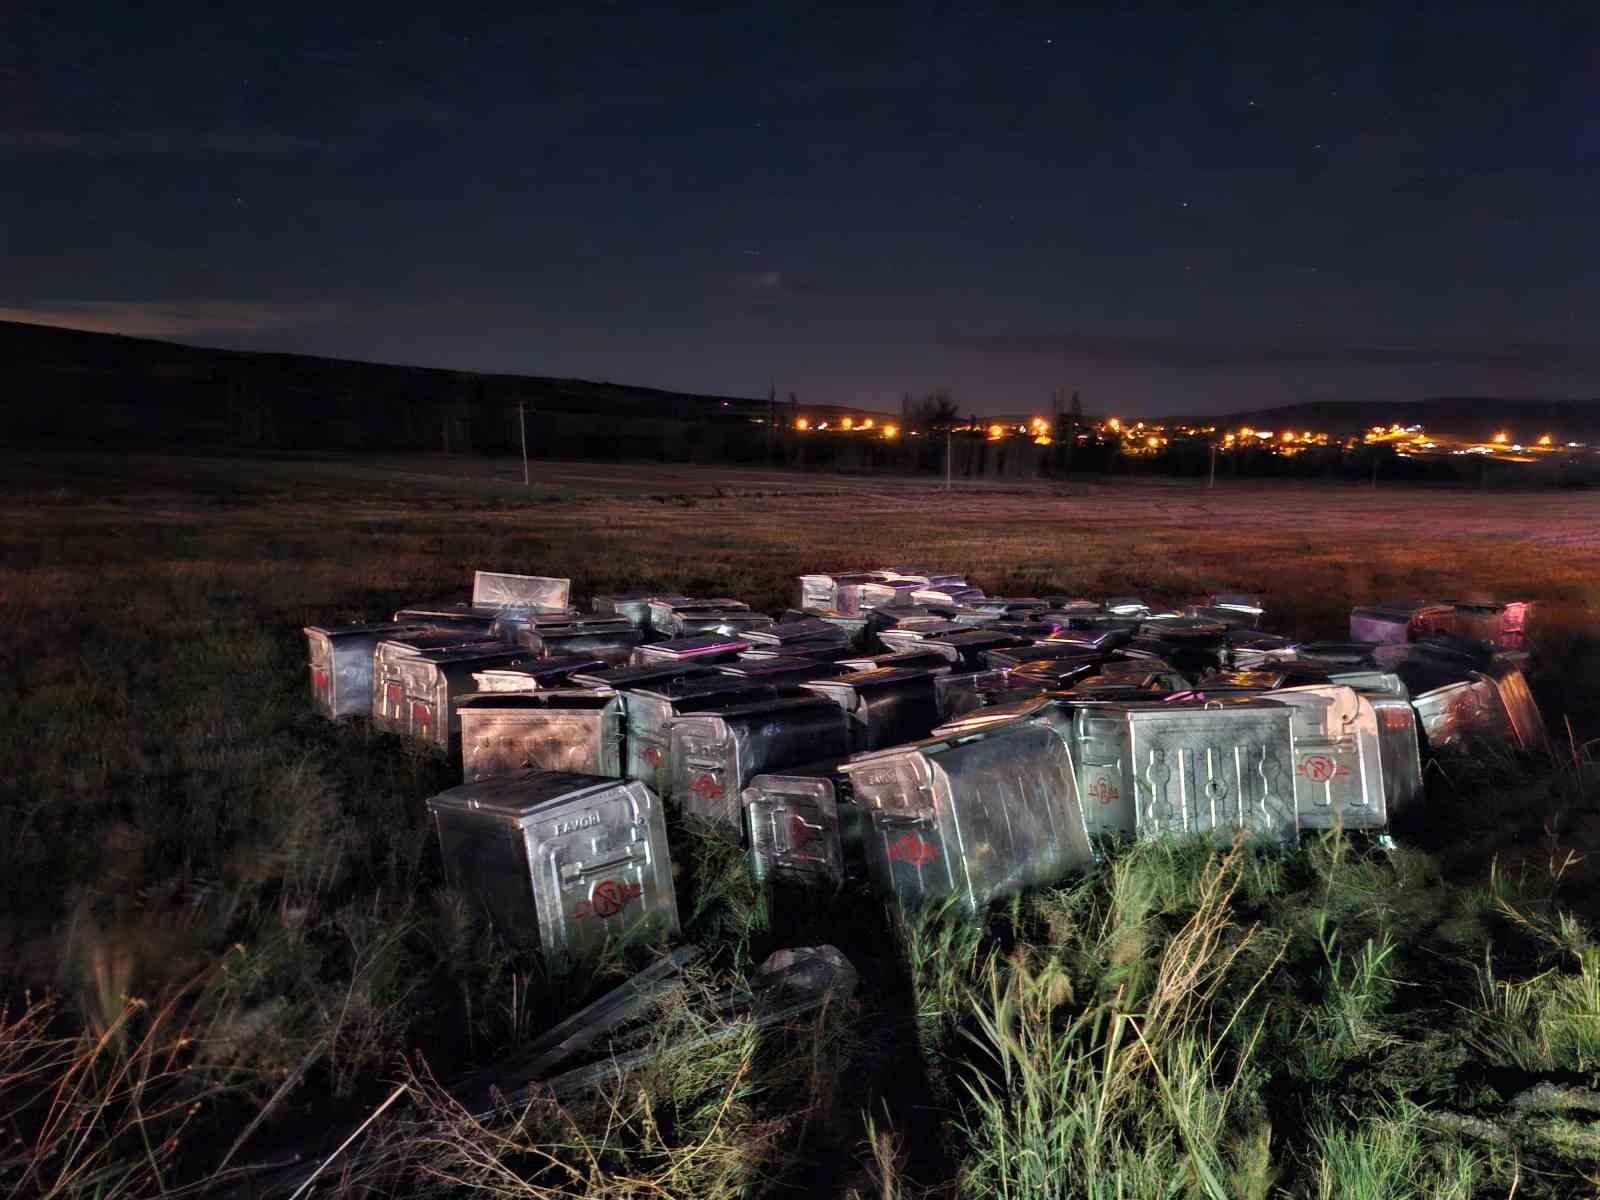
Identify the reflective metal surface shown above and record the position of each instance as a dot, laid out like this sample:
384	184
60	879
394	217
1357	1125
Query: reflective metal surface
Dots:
556	730
649	707
574	862
536	675
803	825
433	679
496	590
339	658
1217	768
714	755
390	712
973	817
885	707
704	647
1338	760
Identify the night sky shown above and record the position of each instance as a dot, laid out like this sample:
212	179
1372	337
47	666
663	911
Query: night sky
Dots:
1166	209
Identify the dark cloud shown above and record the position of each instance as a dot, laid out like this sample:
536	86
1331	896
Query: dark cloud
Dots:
177	318
1539	358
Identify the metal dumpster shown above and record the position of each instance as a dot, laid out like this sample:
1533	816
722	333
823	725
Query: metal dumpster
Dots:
958	691
459	619
835	591
943	594
804	631
972	817
1462	689
878	593
389	710
634	607
576	863
713	755
965	649
1338	760
1234	609
537	675
1017	708
661	609
1220	767
563	729
613	639
1400	620
1502	624
885	707
852	625
686	622
803	826
433	680
1335	656
1047	651
1051	674
494	589
340	661
702	648
929	659
779	670
1246	650
649	707
1400	750
621	678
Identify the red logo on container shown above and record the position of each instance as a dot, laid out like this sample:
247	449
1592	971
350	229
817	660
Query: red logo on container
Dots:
911	848
1103	791
801	833
652	756
1394	718
610	898
319	679
422	718
1319	768
706	788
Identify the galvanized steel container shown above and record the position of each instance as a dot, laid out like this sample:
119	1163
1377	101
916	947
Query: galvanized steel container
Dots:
339	658
702	648
433	679
535	676
612	639
650	707
1400	621
662	608
1220	768
1338	760
973	817
779	670
959	692
714	756
886	706
562	729
452	618
493	589
389	709
576	862
803	826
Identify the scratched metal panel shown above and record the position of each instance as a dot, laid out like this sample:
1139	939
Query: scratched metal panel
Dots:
1338	761
577	863
973	817
1219	769
494	589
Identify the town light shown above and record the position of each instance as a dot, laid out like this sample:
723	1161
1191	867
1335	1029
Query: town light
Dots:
996	432
1500	439
867	424
802	424
891	431
846	422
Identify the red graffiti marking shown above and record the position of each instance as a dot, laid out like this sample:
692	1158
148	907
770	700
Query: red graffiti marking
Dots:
610	898
706	788
1319	768
1103	791
911	848
652	755
394	698
422	718
319	679
801	833
1394	718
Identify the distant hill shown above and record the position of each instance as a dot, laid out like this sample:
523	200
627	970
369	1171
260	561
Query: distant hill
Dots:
1476	418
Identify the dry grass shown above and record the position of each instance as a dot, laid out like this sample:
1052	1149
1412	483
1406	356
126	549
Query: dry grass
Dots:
170	811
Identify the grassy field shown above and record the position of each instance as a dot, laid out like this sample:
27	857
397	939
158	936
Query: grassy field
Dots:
216	908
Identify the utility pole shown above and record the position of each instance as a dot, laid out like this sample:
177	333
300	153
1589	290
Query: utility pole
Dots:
1213	482
522	423
947	458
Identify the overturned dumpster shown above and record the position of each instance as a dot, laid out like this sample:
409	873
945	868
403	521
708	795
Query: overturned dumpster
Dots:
572	862
803	825
971	817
